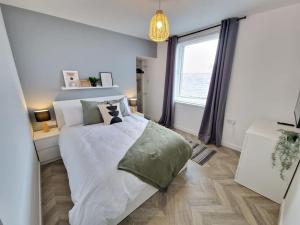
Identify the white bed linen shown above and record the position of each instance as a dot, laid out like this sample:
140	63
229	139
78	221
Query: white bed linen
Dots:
99	191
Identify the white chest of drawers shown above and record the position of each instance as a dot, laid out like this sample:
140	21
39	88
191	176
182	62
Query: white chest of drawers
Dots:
255	169
47	145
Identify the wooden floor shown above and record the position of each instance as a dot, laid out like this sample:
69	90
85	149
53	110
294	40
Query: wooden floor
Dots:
201	195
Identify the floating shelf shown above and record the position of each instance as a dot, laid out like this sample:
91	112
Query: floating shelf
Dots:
86	88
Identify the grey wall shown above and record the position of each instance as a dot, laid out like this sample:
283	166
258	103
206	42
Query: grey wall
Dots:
43	46
19	170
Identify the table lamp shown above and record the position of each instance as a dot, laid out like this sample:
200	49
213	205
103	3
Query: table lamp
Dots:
43	116
133	104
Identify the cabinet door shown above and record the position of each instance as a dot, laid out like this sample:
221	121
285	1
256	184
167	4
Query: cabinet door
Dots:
289	212
255	169
49	154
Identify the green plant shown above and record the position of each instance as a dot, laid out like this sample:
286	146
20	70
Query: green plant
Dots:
286	150
93	81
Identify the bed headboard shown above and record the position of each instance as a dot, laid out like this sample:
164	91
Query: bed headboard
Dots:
58	105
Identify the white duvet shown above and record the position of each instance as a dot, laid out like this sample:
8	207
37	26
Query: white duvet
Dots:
99	191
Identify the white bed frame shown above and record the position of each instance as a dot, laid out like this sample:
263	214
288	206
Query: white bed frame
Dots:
147	192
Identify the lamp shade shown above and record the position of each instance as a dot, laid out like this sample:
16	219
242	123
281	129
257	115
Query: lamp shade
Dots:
42	115
159	27
132	101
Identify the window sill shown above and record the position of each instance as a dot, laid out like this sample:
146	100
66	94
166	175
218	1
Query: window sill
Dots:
190	104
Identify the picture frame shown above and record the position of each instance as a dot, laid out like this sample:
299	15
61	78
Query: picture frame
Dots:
84	83
106	79
71	78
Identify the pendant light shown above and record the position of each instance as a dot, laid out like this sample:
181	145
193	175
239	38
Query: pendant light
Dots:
159	26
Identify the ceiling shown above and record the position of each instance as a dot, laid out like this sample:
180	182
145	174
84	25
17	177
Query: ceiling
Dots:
132	16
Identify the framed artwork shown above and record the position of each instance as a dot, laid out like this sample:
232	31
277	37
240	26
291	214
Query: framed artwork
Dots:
106	79
84	83
71	78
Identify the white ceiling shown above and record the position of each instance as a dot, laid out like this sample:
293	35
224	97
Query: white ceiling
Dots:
132	16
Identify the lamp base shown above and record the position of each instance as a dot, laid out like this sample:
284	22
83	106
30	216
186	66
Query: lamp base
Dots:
46	127
133	109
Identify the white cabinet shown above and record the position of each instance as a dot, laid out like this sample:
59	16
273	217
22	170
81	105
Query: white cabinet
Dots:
46	144
255	170
289	211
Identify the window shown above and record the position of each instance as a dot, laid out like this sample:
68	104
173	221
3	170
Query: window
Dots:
195	61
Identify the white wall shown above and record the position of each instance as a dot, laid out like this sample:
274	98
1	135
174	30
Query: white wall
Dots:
187	117
289	214
266	72
155	81
265	78
19	183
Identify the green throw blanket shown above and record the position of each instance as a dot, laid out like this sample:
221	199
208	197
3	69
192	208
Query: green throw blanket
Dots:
157	156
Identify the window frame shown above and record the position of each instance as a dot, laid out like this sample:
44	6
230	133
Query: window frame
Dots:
182	43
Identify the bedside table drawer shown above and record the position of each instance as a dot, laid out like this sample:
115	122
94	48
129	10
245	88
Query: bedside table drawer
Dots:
49	154
46	143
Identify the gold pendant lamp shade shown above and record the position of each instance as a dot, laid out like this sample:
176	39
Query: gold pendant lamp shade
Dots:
159	27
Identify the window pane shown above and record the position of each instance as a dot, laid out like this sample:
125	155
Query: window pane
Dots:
198	60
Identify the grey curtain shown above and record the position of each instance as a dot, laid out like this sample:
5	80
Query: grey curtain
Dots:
167	117
213	118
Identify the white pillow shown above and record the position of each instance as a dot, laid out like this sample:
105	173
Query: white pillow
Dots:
125	101
111	113
73	115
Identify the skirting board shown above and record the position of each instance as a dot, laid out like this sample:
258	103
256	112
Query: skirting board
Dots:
232	146
186	130
40	195
225	144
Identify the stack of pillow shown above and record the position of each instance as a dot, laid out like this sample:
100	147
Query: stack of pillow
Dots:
93	112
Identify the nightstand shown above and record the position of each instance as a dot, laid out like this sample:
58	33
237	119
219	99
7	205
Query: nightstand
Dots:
46	145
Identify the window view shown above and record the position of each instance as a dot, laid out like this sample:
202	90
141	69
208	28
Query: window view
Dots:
195	64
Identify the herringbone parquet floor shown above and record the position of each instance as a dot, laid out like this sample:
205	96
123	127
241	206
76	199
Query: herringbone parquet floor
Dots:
201	195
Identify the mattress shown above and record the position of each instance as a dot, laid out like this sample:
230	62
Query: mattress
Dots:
102	195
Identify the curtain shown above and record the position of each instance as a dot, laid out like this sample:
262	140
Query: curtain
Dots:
167	117
213	118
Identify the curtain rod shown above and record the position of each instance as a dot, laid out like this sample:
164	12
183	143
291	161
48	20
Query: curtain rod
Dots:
208	28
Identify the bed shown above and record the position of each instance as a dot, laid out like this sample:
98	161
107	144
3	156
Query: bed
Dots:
102	194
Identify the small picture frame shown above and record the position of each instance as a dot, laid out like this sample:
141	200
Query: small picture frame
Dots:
71	78
84	83
106	79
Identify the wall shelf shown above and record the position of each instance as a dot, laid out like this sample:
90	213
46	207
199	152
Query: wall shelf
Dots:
87	88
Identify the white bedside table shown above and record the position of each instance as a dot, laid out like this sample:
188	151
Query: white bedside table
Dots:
46	145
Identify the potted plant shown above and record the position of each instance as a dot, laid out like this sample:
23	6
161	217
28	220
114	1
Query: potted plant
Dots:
93	81
286	150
